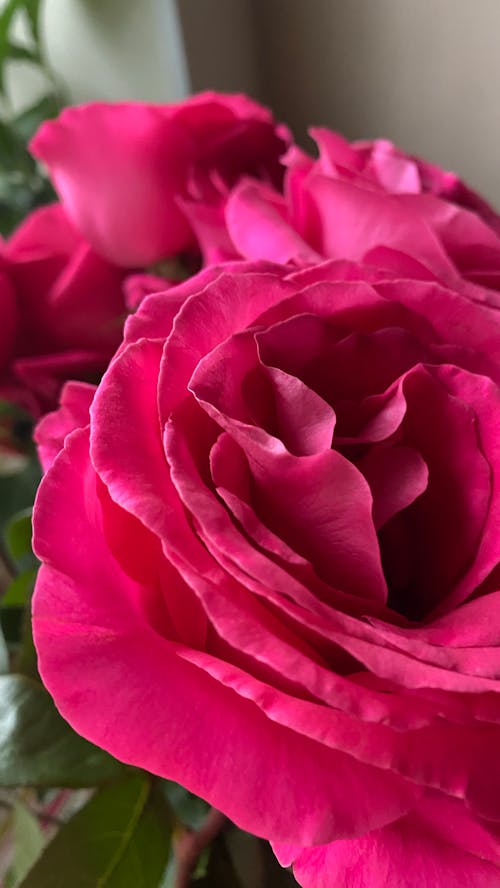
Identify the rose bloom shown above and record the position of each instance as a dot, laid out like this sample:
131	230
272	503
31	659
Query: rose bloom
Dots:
270	565
368	201
62	309
146	182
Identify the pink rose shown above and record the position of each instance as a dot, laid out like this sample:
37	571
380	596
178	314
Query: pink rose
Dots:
389	168
271	565
140	180
368	201
61	310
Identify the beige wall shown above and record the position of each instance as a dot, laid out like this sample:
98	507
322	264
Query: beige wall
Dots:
425	73
116	49
221	44
106	49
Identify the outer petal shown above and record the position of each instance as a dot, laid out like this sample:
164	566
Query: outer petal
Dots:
118	169
258	227
128	689
73	413
434	846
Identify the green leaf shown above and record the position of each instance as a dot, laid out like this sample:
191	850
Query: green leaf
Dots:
6	18
28	843
190	809
18	491
32	8
4	655
14	156
22	53
19	591
26	124
17	535
251	859
120	839
220	871
38	748
25	660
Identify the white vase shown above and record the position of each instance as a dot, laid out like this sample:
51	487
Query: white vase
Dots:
107	50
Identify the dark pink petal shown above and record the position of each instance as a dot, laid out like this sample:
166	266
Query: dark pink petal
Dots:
45	375
397	476
484	395
86	306
209	225
137	286
155	316
45	232
9	320
320	505
447	522
451	315
267	397
305	421
99	655
232	302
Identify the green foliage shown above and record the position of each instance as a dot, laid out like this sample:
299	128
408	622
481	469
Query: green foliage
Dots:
240	860
17	492
28	843
38	748
120	839
9	49
23	185
18	556
189	809
4	655
18	592
17	536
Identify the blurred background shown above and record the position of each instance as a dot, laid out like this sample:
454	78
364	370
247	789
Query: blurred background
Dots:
425	75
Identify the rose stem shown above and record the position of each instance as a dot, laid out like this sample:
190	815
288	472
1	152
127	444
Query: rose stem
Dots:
191	844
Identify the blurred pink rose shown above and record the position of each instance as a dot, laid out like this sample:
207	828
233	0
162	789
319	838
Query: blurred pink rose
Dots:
62	309
271	565
370	202
395	172
140	180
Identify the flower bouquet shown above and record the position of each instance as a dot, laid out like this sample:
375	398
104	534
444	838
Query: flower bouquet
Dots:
266	392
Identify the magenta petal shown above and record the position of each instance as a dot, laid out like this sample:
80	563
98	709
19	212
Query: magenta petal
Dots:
134	158
484	395
397	476
209	225
45	374
9	315
44	233
306	422
434	846
73	413
137	286
320	505
230	303
257	224
355	221
99	655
